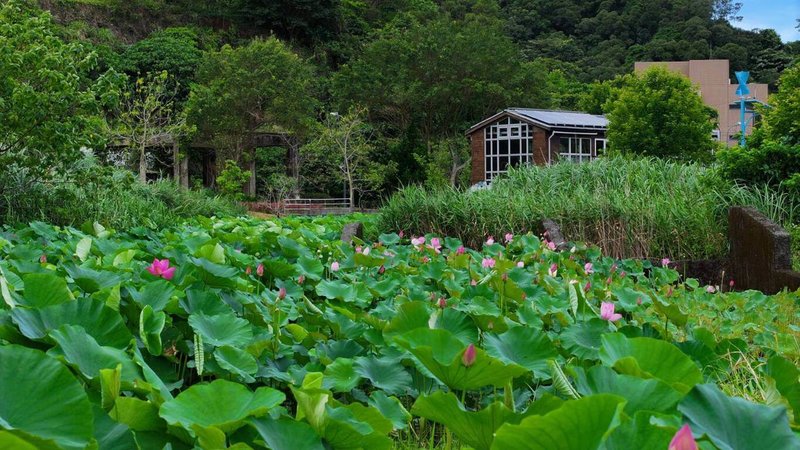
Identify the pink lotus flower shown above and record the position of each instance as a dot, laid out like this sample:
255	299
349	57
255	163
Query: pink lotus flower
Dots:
418	241
281	293
665	262
509	237
487	263
553	270
607	312
358	249
425	260
260	270
248	270
301	279
588	268
468	358
460	250
334	266
436	244
401	234
731	284
441	303
551	245
161	268
490	241
520	264
43	259
473	283
683	439
366	251
710	289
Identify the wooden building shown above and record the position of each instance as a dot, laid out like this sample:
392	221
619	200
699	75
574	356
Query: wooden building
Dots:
518	136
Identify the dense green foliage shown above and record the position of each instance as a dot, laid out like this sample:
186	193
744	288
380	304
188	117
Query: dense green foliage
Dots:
659	113
50	100
425	70
628	207
278	335
113	198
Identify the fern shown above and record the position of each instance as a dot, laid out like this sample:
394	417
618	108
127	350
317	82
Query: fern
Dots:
560	381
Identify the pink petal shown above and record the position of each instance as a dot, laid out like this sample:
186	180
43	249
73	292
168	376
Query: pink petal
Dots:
152	269
163	264
169	273
615	317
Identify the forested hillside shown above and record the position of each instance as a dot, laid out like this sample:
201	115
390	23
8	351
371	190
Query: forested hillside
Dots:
416	73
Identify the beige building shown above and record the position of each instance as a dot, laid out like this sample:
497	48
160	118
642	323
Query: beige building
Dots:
712	77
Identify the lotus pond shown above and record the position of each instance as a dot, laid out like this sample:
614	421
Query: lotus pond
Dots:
244	333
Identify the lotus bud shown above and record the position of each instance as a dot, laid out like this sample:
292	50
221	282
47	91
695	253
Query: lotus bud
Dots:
334	266
683	440
381	269
281	293
460	250
260	270
301	279
468	358
43	259
442	303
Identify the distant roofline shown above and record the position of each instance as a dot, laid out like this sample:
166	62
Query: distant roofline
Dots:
516	113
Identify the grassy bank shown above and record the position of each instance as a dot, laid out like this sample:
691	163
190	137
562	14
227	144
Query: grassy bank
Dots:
628	207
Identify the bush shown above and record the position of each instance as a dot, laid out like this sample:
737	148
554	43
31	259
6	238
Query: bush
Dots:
770	163
111	197
628	207
231	180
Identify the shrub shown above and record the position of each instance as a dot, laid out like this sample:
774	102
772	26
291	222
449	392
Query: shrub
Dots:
90	193
628	207
770	163
231	180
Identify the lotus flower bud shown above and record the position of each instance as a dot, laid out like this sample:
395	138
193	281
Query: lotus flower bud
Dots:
468	358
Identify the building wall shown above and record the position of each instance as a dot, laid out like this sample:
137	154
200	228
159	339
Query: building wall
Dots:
713	79
478	153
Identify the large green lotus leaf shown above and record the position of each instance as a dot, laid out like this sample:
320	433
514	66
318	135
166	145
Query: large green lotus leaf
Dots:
386	288
341	376
155	294
45	289
408	316
200	300
371	416
650	358
474	428
356	293
111	435
311	400
212	252
579	424
733	423
91	280
440	352
287	434
40	397
641	394
523	346
391	408
583	339
222	329
137	414
458	323
222	404
101	322
385	374
640	433
237	361
344	430
20	441
82	351
311	268
787	381
151	324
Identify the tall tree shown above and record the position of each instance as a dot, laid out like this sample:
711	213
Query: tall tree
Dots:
659	113
262	86
50	104
782	120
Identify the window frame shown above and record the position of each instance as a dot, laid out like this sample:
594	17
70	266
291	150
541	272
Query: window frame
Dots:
497	146
579	148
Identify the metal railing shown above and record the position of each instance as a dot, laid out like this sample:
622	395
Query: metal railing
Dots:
316	206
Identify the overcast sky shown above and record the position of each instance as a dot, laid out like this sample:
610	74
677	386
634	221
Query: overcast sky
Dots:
781	15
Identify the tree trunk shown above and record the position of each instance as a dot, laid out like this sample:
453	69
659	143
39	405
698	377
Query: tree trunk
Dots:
143	163
176	164
352	190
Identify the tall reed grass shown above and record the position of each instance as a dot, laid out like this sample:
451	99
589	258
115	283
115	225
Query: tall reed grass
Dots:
629	207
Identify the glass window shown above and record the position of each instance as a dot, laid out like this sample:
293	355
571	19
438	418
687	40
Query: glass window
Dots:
508	142
575	148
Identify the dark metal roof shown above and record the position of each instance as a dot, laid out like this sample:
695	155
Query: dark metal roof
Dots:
562	118
549	119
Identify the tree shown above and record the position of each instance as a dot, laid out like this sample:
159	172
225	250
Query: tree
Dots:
174	50
782	120
50	104
262	86
148	116
346	141
659	113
